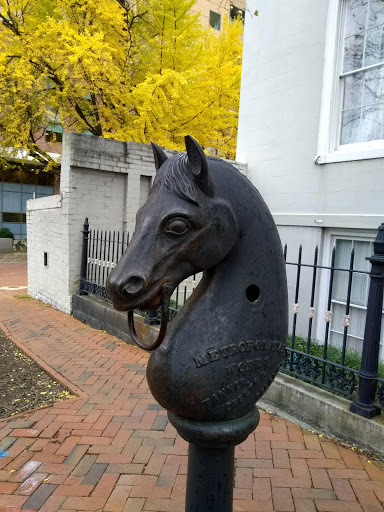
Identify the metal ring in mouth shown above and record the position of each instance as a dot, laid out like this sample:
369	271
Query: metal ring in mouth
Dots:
166	293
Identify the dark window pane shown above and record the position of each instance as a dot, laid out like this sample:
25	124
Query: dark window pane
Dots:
11	175
214	20
29	178
11	217
45	179
53	136
236	12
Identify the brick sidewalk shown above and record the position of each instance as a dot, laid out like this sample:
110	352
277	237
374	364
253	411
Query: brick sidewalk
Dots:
113	449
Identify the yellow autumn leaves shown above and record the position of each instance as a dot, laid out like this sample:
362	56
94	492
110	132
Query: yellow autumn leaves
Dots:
147	72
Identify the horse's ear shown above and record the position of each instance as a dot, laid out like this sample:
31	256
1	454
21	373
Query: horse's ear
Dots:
160	156
198	164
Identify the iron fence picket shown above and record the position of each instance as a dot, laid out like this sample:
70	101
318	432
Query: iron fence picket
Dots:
89	256
99	259
347	306
114	247
104	254
312	303
295	311
328	317
96	254
108	269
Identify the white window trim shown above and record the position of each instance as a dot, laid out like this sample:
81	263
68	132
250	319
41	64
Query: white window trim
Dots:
329	150
330	237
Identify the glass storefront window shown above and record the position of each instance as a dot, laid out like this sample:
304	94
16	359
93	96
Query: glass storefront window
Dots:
16	187
11	176
29	178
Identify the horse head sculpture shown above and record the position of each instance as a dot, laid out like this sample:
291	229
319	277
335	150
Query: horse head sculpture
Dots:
224	347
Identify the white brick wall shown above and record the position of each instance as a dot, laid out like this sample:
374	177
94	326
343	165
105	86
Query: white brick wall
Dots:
100	179
48	233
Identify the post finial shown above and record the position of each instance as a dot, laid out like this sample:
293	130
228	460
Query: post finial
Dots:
378	244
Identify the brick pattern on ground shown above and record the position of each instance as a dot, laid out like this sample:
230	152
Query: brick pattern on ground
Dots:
115	451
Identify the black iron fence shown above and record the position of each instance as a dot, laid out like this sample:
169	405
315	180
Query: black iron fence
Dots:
333	360
101	250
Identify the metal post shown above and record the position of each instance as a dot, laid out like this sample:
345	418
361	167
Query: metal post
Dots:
365	403
211	459
84	257
210	479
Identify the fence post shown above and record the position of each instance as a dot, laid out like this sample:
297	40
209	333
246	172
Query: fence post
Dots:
84	257
365	403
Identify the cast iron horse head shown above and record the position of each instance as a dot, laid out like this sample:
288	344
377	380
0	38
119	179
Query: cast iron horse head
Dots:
223	349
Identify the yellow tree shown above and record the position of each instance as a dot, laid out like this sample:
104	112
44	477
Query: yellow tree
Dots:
144	71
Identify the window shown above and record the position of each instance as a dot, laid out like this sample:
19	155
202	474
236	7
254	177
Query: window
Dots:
54	132
363	72
236	12
16	187
14	217
358	294
214	20
352	117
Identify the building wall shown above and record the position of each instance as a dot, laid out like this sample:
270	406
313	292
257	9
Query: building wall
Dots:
48	233
286	50
102	179
281	94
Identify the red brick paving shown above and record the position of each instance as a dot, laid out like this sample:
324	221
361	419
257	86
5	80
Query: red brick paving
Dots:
113	450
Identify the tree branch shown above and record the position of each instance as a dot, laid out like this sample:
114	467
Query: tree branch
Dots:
9	23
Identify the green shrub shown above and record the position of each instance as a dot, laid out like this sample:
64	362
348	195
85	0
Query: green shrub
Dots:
352	358
20	245
6	233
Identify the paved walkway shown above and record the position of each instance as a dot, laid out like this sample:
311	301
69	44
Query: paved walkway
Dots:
113	449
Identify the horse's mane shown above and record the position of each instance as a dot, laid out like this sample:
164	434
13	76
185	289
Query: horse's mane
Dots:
175	176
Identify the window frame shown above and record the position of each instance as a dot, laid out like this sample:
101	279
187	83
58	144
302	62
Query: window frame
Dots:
330	237
217	14
329	149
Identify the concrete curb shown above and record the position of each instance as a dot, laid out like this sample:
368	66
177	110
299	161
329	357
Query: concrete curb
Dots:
324	412
48	369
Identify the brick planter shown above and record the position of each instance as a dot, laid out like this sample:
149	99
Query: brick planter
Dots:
6	244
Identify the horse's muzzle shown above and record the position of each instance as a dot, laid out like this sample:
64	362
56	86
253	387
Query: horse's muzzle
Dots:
133	292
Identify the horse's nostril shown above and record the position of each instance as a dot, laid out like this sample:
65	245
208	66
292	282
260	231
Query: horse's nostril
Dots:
134	285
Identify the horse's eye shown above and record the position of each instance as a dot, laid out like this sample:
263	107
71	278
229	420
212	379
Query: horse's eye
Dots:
177	227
